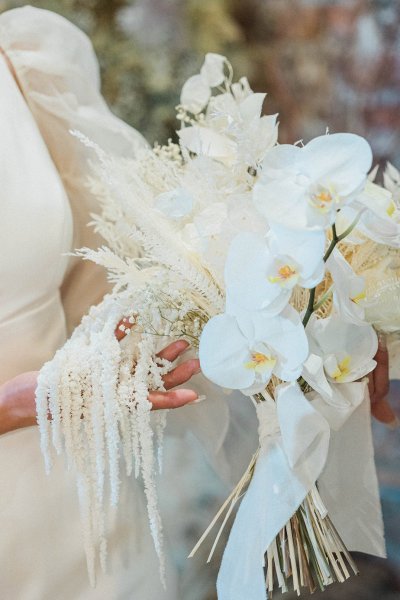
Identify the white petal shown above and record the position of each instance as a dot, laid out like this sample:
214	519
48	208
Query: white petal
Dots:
340	159
314	374
376	222
195	94
282	201
205	141
212	71
223	353
345	280
286	336
176	204
334	337
246	275
251	107
305	246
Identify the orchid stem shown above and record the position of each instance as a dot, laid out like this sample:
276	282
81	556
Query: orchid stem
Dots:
323	298
335	240
311	307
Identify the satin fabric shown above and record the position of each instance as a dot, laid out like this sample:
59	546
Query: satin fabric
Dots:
44	210
41	551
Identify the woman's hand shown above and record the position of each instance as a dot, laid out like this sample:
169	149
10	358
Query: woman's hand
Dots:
17	396
17	402
178	376
378	385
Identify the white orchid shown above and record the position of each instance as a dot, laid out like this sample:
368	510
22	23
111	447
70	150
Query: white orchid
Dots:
340	354
348	289
380	218
261	272
346	350
243	352
303	187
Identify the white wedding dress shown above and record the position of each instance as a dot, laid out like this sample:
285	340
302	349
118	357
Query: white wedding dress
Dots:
49	84
41	553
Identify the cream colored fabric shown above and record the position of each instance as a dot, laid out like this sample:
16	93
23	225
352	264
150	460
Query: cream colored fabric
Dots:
41	551
35	231
58	73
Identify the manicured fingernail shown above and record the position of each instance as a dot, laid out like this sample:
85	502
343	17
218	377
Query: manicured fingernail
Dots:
199	399
196	366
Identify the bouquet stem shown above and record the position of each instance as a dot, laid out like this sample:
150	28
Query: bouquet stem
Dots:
308	551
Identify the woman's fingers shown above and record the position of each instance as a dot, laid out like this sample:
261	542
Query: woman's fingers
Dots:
382	411
172	399
182	373
380	407
381	373
172	351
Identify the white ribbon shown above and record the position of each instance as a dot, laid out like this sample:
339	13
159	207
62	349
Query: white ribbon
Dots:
294	442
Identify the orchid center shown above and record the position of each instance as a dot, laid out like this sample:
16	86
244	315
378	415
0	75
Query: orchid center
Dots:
391	209
323	199
260	362
342	370
285	275
359	297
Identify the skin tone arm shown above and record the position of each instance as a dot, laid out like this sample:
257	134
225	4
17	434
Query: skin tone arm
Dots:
17	396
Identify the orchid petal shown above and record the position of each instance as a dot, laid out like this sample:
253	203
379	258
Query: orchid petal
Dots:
342	159
223	353
348	289
195	94
246	275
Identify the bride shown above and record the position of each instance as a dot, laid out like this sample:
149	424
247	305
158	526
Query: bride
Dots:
49	84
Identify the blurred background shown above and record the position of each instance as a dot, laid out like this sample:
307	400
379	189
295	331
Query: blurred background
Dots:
324	63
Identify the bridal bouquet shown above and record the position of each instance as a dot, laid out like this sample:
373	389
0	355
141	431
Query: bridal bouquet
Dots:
279	263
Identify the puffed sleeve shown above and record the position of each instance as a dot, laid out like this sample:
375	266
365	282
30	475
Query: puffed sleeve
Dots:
58	74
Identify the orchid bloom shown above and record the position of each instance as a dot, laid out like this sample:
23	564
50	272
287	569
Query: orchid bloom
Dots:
260	273
380	214
348	289
303	187
346	352
243	352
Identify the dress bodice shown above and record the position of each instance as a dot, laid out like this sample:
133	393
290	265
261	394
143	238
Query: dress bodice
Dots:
35	233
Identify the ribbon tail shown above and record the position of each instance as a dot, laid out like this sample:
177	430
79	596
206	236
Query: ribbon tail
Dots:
278	487
349	486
